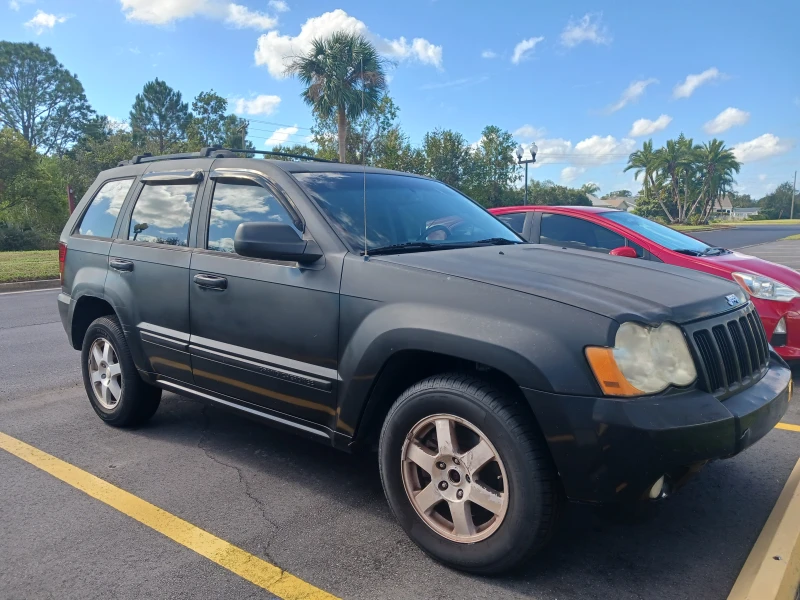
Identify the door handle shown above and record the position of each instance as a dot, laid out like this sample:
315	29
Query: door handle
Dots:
120	265
211	282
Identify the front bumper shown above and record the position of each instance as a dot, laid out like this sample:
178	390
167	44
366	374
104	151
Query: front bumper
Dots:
772	312
609	450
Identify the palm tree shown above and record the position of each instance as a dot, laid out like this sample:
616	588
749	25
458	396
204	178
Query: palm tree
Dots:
716	165
645	162
676	160
343	75
590	188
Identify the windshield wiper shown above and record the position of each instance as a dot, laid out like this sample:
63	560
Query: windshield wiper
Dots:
714	251
496	241
406	246
688	251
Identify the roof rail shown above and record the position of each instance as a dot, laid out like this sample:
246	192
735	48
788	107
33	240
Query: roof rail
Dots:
213	152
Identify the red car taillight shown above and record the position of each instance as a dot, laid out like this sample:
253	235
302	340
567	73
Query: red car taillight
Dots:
62	258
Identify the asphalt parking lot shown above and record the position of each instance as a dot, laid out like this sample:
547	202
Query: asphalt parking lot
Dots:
310	510
745	235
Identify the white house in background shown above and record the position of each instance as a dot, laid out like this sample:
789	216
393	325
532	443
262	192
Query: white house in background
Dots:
725	208
618	202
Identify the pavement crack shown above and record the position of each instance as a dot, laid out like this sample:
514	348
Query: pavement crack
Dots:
242	480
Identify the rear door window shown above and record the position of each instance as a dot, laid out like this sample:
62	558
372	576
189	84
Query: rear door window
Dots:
101	216
162	214
515	221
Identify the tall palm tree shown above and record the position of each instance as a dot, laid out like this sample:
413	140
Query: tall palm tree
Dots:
645	162
344	75
716	165
676	160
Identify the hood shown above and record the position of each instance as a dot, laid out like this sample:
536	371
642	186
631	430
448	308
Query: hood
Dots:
619	288
736	261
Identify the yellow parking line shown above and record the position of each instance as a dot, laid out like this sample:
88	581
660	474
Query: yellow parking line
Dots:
772	570
253	569
788	426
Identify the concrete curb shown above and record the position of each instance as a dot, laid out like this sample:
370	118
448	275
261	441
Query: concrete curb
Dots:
772	571
24	286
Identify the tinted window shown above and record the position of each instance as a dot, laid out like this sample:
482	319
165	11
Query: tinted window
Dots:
162	214
400	209
101	216
571	232
239	202
660	234
514	220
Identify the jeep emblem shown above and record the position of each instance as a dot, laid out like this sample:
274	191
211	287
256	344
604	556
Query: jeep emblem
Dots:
732	299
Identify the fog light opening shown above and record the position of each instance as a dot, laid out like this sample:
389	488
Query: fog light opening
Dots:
657	489
779	333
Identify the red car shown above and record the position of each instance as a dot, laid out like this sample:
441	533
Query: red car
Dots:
774	289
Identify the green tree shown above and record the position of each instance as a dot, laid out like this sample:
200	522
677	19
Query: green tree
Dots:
17	162
159	118
548	193
40	98
395	152
299	149
96	153
447	157
741	200
645	162
493	169
344	76
777	205
207	124
715	165
618	194
590	188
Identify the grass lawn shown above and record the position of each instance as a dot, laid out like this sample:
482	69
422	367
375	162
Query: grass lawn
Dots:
699	227
769	222
26	266
793	237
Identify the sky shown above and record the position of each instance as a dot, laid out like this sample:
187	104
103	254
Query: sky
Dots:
588	82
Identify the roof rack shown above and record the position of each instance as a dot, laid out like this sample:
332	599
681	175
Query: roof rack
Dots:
213	152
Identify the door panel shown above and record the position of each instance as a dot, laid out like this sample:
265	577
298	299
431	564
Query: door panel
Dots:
268	338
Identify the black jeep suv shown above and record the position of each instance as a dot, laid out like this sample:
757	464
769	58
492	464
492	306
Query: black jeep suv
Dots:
365	306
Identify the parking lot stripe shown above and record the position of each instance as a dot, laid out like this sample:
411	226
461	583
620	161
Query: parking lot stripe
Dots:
255	570
772	570
788	426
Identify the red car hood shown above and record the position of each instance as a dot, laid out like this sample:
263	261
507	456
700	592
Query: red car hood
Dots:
736	261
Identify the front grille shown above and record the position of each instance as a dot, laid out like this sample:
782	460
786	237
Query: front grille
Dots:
731	350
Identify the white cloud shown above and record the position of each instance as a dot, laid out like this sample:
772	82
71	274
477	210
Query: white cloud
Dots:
43	21
242	17
631	94
488	54
280	136
117	125
16	4
647	127
274	49
528	132
260	105
692	82
454	83
570	174
730	117
278	6
764	146
598	150
762	177
587	29
524	48
552	151
162	12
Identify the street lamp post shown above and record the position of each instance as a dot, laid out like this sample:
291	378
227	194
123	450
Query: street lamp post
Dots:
526	156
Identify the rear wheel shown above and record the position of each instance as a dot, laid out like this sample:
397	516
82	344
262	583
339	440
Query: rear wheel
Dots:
467	474
116	392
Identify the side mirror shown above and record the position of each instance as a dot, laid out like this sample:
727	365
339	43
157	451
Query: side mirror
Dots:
276	241
625	251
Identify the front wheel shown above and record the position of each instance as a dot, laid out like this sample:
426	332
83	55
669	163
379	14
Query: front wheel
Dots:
468	475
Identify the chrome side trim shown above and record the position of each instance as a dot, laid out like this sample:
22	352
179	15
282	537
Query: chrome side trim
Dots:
258	413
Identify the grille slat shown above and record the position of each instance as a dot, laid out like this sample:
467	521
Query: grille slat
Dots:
732	351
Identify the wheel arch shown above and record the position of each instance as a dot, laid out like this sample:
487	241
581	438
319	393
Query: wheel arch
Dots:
87	309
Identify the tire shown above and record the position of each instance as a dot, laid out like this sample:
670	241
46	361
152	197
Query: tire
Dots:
126	401
524	512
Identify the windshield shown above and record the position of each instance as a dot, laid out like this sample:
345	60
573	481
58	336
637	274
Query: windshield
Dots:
660	234
418	213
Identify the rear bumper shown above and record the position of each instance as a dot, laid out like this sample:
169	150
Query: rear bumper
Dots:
614	450
65	312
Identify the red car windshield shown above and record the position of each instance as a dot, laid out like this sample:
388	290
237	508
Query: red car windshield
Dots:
660	234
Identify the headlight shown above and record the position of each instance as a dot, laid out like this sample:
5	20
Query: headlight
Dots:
765	288
644	360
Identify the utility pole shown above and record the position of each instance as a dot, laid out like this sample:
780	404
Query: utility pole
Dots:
794	187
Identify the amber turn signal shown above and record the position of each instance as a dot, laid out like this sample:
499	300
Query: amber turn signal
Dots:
607	373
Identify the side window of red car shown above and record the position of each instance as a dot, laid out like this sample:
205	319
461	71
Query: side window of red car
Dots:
515	221
571	232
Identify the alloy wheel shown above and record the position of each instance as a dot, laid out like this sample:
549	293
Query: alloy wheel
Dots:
105	373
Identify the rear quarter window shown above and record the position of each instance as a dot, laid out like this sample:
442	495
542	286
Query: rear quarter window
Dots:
101	216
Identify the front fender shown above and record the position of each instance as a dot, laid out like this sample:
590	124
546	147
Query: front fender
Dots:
544	353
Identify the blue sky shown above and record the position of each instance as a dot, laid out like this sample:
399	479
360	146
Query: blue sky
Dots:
588	81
